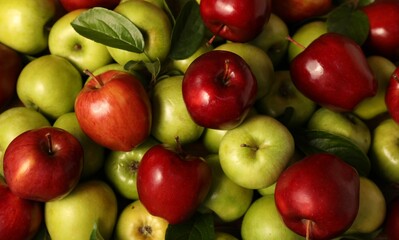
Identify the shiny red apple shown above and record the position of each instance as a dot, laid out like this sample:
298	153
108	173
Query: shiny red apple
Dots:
114	110
294	11
70	5
392	96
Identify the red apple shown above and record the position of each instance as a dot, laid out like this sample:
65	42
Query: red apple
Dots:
391	226
333	72
318	196
70	5
43	164
219	89
171	184
114	110
383	38
392	96
235	20
20	219
294	11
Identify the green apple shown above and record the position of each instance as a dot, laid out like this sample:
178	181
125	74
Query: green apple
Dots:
304	36
15	121
50	85
267	190
286	102
228	200
263	221
120	168
224	236
273	39
84	53
372	107
93	153
343	124
135	222
259	62
24	24
170	116
211	139
254	154
73	217
155	26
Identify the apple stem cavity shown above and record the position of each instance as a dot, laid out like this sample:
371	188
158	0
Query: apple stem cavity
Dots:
254	148
295	42
98	80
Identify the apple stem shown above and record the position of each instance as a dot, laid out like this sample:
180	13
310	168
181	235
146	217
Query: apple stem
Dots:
98	80
308	229
210	41
254	148
49	143
226	75
295	42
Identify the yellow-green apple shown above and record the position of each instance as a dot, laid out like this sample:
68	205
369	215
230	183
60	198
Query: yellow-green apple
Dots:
211	139
15	121
224	236
171	118
294	11
41	86
262	219
345	124
135	222
221	96
255	153
157	32
43	164
71	5
120	168
93	153
24	24
114	110
285	102
73	217
259	62
84	53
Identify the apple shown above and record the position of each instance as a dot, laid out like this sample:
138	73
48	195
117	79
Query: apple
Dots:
114	110
10	67
392	220
345	124
120	168
255	153
318	196
157	32
93	153
41	86
235	20
222	96
211	139
135	222
284	101
24	24
71	5
171	118
262	219
172	184
391	95
338	81
20	218
224	236
43	164
15	121
73	217
84	53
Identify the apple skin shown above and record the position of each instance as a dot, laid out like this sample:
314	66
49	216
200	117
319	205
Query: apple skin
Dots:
23	24
185	182
73	217
392	220
392	94
20	218
82	52
222	96
135	222
339	81
43	164
211	139
320	190
41	86
71	5
124	118
236	21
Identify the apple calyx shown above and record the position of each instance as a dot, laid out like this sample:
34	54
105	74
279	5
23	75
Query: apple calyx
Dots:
98	80
145	231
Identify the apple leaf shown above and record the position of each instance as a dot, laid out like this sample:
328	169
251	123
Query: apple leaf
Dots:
95	233
347	20
199	227
315	141
109	28
188	31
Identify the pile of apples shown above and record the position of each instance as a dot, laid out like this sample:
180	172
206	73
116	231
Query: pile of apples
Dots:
200	120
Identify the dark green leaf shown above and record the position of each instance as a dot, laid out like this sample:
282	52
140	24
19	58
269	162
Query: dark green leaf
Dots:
315	141
109	28
188	32
95	233
199	227
349	21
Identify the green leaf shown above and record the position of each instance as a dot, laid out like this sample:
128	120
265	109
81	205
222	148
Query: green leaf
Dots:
315	141
188	32
109	28
199	227
347	20
95	233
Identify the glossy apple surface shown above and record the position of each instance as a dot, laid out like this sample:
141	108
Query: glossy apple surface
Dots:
71	5
294	11
392	95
